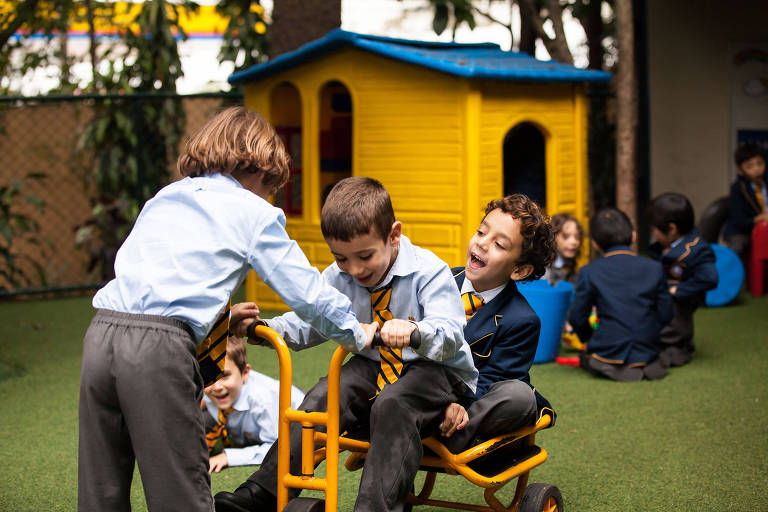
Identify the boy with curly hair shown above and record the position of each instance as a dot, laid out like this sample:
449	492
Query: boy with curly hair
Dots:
513	243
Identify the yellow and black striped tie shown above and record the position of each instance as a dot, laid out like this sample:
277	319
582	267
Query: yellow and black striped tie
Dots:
472	303
212	352
219	431
760	202
391	358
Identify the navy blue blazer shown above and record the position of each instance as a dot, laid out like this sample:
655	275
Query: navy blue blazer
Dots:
633	304
742	207
503	336
690	266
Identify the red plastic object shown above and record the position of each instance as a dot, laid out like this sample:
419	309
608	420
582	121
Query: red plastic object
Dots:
568	361
759	258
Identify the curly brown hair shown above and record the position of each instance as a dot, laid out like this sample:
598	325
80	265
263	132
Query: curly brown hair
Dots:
538	238
237	139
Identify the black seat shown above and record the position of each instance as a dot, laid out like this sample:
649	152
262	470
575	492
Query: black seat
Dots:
713	219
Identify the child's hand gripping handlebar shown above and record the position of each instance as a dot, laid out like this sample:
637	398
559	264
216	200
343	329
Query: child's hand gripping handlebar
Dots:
414	343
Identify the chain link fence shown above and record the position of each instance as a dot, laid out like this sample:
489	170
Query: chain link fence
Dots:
44	199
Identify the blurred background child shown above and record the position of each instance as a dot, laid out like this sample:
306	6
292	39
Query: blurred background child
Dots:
630	293
689	263
748	199
568	237
243	411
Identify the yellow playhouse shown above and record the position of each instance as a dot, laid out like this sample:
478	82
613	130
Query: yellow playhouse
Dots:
446	127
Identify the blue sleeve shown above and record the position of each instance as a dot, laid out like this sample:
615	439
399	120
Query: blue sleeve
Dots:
665	308
581	307
442	325
282	265
703	276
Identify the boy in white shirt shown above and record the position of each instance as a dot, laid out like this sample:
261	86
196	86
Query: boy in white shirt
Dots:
400	392
191	247
243	411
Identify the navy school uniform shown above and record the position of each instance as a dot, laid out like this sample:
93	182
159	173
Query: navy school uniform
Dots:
633	305
503	336
743	207
689	265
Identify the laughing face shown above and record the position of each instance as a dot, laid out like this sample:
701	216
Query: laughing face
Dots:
367	258
493	252
225	391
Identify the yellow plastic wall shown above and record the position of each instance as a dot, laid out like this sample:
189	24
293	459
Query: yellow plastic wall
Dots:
433	140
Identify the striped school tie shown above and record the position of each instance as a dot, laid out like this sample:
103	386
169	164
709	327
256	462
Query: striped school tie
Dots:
219	431
391	359
759	196
472	303
211	353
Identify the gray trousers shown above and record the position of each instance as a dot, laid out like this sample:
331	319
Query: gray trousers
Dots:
399	417
677	336
140	392
507	406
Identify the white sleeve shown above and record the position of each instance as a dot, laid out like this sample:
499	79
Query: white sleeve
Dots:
282	265
248	456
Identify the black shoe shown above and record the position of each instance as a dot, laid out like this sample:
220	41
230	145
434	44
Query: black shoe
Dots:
249	497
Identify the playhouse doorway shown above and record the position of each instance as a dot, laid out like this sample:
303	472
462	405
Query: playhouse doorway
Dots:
285	114
335	136
525	162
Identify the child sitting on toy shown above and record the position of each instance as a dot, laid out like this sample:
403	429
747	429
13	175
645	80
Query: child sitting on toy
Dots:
690	266
630	293
748	202
399	391
513	243
568	237
242	407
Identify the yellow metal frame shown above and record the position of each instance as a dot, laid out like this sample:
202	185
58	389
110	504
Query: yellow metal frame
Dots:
329	445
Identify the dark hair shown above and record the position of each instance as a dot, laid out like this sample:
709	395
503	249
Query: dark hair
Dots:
745	152
668	208
354	207
236	352
237	139
610	227
538	238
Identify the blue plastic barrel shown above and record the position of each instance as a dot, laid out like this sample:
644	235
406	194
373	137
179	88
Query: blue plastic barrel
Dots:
730	277
551	305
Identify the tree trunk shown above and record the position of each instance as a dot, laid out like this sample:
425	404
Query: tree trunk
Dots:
593	28
527	34
296	22
626	113
557	47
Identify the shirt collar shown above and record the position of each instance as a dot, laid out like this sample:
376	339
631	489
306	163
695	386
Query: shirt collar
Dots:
405	262
487	295
676	242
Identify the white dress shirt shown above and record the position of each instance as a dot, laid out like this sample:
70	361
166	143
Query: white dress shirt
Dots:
487	295
252	426
423	290
193	245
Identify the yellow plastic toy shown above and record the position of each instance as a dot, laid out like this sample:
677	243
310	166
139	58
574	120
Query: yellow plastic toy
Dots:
446	127
490	465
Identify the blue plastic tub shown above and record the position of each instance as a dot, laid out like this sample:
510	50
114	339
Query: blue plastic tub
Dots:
551	305
730	277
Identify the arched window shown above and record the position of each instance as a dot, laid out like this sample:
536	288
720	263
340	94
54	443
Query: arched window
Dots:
285	114
335	136
524	162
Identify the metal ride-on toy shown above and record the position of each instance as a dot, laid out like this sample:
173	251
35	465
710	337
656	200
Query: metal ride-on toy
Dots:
490	465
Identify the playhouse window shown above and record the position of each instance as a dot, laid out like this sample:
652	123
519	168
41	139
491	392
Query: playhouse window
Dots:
285	105
525	163
335	136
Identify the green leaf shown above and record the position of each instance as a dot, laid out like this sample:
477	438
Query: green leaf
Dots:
440	21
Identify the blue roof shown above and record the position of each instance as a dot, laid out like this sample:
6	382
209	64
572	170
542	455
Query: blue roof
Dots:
483	60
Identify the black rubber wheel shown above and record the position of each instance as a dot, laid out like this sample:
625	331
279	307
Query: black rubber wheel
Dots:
305	505
541	498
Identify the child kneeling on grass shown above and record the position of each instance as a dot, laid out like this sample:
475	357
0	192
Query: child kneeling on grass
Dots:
398	391
513	243
630	293
242	411
689	263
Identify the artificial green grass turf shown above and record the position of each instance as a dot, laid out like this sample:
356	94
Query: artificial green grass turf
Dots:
696	440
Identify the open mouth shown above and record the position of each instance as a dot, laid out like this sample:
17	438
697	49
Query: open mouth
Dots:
475	261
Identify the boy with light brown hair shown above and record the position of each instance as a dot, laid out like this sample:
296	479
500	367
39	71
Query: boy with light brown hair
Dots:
189	250
396	391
